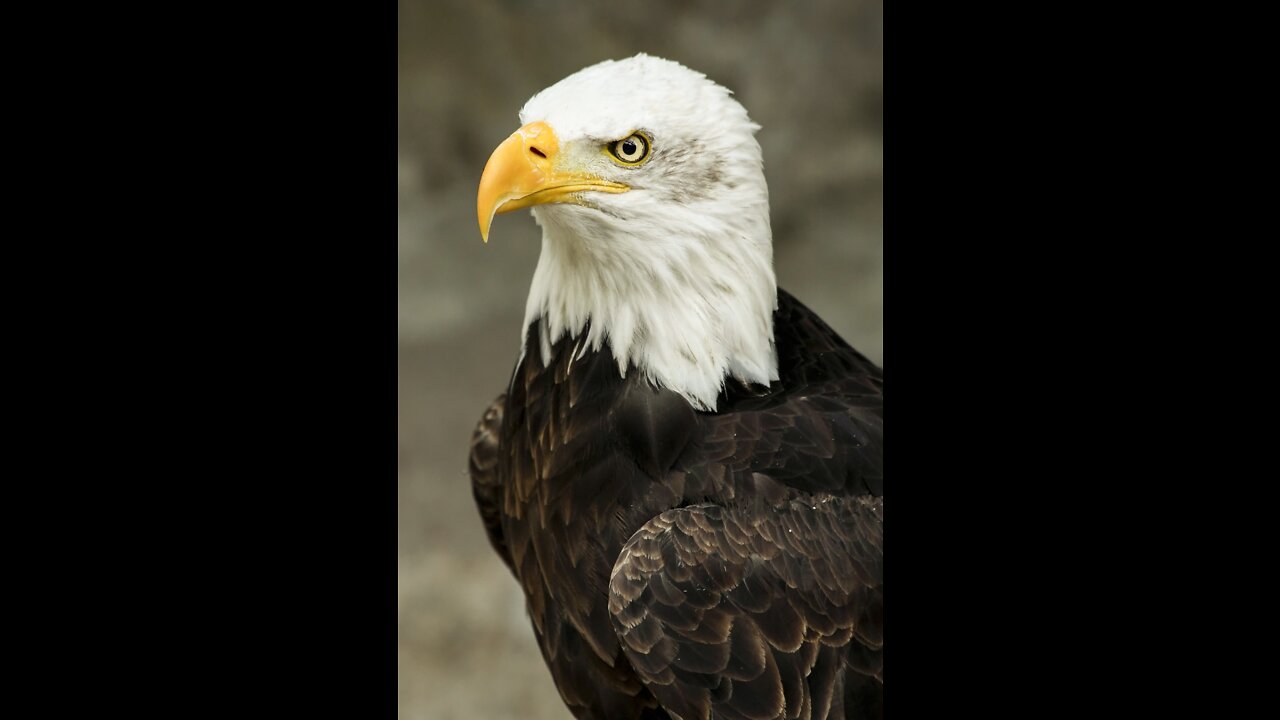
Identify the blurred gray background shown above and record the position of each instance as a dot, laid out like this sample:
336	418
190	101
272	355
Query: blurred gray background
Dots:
809	72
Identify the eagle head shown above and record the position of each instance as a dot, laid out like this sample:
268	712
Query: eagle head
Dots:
647	180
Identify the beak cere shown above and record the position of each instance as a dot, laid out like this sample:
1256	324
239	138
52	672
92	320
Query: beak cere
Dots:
526	170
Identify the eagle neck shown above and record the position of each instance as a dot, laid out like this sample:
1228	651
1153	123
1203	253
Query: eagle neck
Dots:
688	315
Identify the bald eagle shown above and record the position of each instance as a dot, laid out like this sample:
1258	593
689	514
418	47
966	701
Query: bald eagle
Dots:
684	474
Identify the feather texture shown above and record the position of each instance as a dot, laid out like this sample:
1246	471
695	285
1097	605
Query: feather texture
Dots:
721	565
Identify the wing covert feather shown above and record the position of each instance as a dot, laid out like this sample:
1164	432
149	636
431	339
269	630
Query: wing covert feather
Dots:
762	612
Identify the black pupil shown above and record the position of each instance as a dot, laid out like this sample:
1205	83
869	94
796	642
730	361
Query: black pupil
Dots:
629	147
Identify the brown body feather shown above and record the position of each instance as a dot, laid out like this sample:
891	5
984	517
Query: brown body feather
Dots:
707	565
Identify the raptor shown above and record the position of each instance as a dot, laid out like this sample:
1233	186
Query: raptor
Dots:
684	474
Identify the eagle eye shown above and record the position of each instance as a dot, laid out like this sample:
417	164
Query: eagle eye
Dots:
632	150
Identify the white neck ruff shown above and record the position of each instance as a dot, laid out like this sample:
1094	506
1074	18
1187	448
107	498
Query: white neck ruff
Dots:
688	310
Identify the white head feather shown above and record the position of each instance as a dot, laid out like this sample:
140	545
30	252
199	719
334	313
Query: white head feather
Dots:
676	273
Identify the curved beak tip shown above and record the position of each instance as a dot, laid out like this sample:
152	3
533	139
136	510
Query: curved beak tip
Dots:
505	172
485	221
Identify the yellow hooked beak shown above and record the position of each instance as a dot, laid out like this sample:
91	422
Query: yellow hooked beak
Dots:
525	171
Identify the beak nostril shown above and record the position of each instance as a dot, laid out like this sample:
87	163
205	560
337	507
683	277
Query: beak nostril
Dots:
537	152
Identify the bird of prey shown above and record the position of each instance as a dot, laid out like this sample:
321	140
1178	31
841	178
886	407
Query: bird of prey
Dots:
684	474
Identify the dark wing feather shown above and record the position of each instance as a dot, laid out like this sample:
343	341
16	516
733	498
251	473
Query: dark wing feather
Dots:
486	485
564	479
818	429
758	612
